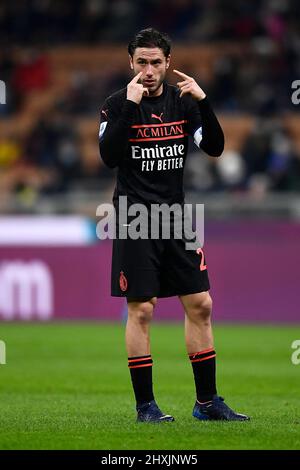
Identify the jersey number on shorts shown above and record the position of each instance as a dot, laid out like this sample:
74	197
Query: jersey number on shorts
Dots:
202	265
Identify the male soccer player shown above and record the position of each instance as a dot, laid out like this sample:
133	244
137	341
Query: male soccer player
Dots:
144	133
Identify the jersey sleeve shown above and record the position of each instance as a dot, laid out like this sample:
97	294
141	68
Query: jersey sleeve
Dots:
204	127
115	122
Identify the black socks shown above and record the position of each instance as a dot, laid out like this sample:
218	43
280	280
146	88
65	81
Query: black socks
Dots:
204	368
141	377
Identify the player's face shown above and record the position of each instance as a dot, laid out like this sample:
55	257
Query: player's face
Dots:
153	63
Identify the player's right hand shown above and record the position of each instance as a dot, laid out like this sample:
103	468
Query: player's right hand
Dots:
135	90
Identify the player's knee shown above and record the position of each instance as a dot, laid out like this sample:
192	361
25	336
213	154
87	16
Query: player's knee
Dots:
142	312
202	307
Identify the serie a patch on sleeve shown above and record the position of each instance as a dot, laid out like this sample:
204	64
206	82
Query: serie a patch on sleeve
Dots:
198	136
102	128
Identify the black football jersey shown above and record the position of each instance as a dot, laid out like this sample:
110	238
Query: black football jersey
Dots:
148	142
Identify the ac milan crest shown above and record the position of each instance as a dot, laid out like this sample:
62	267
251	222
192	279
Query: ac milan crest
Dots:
123	282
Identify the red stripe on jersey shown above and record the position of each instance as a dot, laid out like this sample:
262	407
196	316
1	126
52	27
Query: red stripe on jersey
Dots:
138	126
148	139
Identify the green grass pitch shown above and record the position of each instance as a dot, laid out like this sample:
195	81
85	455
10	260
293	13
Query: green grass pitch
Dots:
67	386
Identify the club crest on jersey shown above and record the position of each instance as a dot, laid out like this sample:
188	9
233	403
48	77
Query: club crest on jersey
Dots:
123	282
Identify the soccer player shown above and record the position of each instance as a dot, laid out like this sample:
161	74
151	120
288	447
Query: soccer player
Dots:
144	133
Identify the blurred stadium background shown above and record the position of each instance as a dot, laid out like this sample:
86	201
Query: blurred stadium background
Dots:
59	60
65	380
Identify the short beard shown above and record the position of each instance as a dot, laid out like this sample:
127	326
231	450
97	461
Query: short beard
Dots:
158	86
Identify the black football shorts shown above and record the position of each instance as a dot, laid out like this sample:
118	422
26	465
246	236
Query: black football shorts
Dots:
157	268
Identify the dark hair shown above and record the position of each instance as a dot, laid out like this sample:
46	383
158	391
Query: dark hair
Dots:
150	37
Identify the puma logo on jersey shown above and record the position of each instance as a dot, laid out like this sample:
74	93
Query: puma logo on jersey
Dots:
105	112
154	116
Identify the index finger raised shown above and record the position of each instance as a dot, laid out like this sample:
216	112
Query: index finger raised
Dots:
181	74
136	77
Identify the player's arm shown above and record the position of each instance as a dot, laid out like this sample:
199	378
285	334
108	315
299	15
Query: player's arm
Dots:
114	131
115	124
203	123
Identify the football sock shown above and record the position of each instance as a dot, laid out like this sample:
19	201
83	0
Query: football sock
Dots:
204	369
141	378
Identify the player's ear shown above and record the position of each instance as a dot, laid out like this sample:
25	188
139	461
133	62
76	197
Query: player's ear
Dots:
168	59
130	62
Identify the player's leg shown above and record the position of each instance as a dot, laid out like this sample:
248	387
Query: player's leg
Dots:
136	275
200	348
140	313
138	347
199	343
198	328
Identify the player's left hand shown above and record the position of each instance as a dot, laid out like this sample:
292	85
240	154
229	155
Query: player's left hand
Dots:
189	85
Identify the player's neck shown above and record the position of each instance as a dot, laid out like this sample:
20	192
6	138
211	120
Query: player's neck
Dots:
157	92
